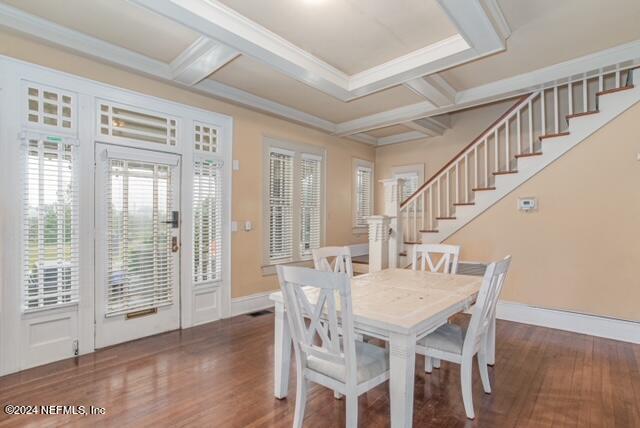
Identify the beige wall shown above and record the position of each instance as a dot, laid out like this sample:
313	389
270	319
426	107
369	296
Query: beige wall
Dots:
435	152
249	129
581	250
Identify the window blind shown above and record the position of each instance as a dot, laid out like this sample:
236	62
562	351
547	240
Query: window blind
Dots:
364	182
50	225
207	221
280	205
310	208
140	269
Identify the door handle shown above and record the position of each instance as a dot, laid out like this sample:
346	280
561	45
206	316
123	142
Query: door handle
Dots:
174	244
175	219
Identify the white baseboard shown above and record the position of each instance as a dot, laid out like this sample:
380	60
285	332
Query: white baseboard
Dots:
251	303
610	328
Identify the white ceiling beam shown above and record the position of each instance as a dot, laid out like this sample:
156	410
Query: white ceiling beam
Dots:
475	25
55	34
219	22
625	55
402	138
364	138
202	58
427	126
434	88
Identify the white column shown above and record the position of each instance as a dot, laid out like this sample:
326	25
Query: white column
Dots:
392	200
378	242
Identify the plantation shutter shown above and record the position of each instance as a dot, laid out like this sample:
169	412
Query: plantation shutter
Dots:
364	201
280	205
207	221
310	208
139	257
50	265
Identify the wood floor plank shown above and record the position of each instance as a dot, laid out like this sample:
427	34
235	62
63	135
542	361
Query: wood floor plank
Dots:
221	374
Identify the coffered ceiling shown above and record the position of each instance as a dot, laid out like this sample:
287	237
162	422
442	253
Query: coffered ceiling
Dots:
378	71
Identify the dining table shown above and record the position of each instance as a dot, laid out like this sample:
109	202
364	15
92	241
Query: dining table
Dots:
399	306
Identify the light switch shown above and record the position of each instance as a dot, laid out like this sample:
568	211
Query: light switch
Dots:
527	204
248	226
234	226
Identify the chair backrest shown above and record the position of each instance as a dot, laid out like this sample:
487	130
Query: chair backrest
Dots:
341	262
486	302
313	295
424	253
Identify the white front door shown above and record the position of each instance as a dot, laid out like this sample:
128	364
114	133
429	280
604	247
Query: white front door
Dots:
137	244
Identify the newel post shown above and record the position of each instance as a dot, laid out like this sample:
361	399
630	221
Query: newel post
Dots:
378	242
392	199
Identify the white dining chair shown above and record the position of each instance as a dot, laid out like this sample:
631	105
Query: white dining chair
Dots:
323	354
341	260
427	254
456	344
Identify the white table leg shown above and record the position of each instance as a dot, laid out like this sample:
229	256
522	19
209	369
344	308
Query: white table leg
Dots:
490	344
402	356
282	353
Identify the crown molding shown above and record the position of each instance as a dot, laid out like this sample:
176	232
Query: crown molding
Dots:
219	22
200	59
402	138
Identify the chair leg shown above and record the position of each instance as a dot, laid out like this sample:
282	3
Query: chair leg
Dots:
352	410
428	364
466	382
436	363
484	372
301	401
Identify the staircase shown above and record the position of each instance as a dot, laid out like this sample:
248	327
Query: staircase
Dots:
538	129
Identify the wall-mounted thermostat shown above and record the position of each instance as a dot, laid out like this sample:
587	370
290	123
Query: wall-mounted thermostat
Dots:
527	204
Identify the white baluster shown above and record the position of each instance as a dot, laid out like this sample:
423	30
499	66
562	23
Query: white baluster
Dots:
601	83
617	78
422	211
447	210
486	161
458	182
431	222
439	197
543	124
415	220
585	98
466	177
507	147
570	94
519	137
496	167
475	162
556	109
530	127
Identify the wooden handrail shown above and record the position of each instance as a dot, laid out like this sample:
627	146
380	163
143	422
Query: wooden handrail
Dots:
467	147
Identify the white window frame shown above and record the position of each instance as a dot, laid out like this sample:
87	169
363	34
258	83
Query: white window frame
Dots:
356	165
403	171
298	150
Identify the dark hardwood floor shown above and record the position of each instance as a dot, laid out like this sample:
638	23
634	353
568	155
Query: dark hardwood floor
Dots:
220	375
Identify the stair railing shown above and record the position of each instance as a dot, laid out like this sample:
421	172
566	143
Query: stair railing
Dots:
517	133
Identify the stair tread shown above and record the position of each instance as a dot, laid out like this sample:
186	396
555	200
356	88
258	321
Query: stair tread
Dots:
445	218
614	90
558	134
478	189
462	204
584	113
525	155
515	171
429	231
412	242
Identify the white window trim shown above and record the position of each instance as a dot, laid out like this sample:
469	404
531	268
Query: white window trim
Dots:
355	163
271	144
